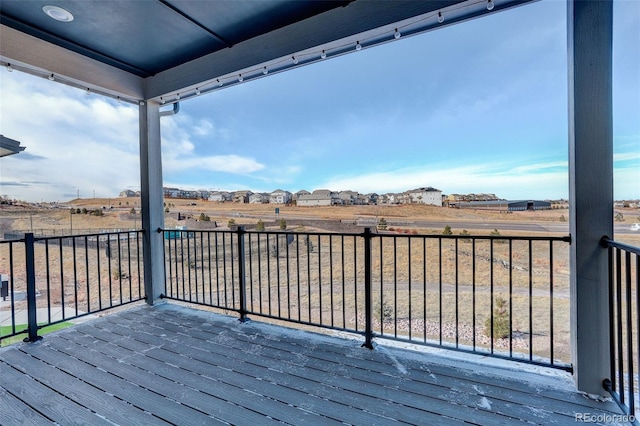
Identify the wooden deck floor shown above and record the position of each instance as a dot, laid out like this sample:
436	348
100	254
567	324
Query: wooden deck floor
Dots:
174	365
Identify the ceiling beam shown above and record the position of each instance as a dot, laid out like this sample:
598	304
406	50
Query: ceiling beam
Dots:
355	18
39	57
360	18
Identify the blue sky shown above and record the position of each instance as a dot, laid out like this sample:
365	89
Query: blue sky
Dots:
477	107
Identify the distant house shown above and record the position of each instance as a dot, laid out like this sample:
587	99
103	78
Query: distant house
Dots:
371	198
171	192
280	197
347	198
390	198
428	195
506	205
453	199
319	197
194	195
299	193
487	197
219	196
259	198
241	196
127	193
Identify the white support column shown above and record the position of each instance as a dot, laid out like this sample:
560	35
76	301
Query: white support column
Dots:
589	25
151	200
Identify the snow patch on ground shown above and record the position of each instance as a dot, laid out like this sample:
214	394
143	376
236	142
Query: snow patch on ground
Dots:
484	403
395	361
477	389
598	398
475	364
410	354
538	412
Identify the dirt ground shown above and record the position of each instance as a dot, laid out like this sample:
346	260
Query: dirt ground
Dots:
74	276
124	213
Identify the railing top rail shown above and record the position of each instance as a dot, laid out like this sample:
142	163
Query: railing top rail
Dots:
564	238
74	235
17	240
280	232
608	242
98	234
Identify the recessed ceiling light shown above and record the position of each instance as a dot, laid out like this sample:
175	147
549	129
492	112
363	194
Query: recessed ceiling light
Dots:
58	13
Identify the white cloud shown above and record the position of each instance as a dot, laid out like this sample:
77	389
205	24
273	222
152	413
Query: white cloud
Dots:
626	156
224	163
73	142
179	151
626	183
85	143
203	128
510	183
540	167
284	176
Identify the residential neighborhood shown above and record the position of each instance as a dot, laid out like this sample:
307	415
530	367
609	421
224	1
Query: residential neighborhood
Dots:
319	197
326	197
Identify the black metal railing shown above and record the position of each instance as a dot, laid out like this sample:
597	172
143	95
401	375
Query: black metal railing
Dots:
624	324
504	296
55	279
18	234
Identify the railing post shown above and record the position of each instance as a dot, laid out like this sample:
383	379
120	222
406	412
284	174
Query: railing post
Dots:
242	282
609	383
368	311
32	318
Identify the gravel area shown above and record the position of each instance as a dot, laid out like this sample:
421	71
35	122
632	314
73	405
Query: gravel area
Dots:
465	333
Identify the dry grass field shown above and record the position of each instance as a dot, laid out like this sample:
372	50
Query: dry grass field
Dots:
424	288
421	289
118	214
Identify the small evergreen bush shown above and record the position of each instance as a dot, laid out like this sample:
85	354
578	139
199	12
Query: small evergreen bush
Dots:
500	320
383	312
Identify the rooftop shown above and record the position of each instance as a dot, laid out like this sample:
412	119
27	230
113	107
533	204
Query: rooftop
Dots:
9	146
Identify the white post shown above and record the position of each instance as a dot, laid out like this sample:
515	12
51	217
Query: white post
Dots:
151	200
589	25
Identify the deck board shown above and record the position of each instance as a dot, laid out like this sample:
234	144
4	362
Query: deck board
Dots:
160	406
15	409
516	391
233	372
190	402
405	385
308	380
211	380
79	391
50	404
172	364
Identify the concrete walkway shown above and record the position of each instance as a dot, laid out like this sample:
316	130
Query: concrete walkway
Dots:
42	314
